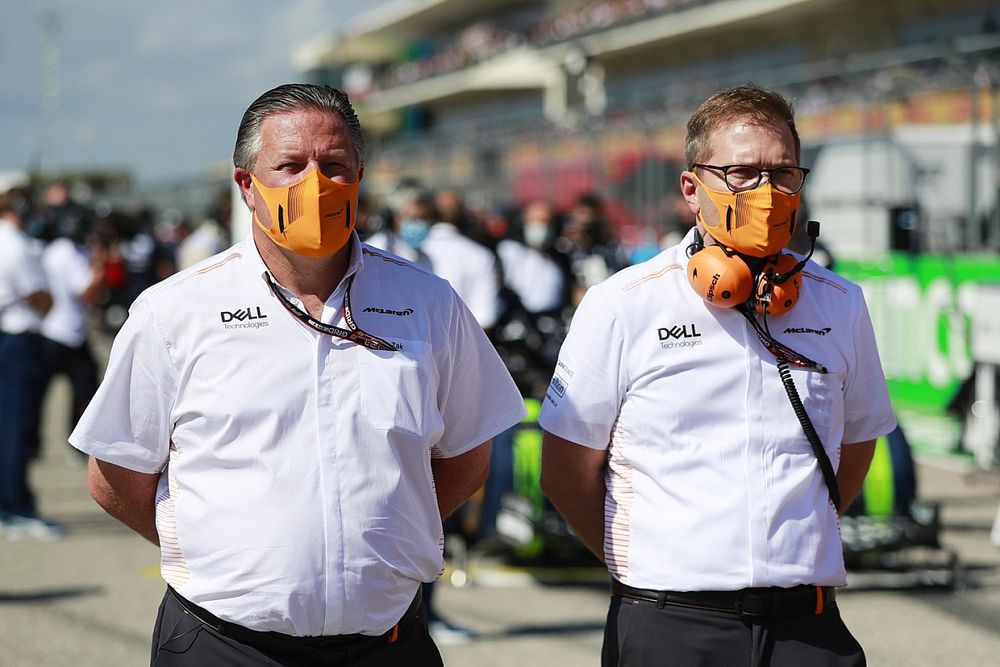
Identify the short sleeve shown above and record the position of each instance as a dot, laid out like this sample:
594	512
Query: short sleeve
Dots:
588	386
476	397
128	421
868	411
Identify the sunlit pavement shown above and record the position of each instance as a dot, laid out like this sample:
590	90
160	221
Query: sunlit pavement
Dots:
91	598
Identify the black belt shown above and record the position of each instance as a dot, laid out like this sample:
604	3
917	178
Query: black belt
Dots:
754	602
262	638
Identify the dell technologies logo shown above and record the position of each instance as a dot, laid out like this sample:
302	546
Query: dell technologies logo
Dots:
679	335
244	318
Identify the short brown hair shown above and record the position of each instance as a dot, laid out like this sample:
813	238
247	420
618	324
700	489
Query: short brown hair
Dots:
748	101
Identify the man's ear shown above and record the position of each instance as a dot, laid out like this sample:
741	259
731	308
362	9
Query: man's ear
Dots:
242	179
689	190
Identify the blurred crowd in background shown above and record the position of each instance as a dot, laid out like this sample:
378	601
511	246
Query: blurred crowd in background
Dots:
522	270
540	259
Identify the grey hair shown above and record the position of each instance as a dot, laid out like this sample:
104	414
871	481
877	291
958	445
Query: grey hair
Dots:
293	97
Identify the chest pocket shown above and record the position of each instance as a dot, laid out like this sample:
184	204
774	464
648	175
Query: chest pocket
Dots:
396	387
822	398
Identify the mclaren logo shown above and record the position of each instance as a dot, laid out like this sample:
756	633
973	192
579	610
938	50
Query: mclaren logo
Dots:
243	318
819	332
388	311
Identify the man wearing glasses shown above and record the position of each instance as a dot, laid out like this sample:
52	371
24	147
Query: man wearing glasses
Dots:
290	419
712	412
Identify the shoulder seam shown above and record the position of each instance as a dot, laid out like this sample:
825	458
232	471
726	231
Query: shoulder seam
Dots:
649	276
825	281
211	267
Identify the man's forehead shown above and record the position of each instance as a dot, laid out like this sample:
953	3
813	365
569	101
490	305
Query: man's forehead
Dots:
301	122
289	131
746	130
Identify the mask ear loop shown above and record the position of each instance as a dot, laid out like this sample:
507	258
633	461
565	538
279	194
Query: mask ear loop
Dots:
696	245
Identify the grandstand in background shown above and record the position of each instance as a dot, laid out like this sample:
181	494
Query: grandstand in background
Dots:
512	99
897	105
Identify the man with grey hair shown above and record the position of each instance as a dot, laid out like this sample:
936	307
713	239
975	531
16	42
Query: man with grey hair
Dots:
289	420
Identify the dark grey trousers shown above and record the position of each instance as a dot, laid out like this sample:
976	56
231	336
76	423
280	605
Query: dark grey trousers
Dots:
638	634
180	639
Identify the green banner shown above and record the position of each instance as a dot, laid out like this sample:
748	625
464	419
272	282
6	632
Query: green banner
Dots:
922	309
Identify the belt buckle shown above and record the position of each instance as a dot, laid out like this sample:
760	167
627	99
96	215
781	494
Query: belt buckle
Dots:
750	602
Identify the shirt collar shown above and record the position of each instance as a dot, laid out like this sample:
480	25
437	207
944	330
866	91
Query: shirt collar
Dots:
257	266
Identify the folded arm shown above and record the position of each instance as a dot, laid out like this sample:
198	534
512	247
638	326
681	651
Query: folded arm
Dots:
573	479
854	462
458	477
127	495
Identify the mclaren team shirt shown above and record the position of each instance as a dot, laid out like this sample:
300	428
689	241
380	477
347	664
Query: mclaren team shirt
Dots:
711	483
296	492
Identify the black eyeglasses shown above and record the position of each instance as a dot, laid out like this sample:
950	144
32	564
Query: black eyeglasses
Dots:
742	177
352	333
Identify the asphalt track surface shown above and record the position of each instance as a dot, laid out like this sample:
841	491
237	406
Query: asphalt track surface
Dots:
90	598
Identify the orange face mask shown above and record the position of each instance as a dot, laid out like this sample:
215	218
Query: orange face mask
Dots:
757	223
313	217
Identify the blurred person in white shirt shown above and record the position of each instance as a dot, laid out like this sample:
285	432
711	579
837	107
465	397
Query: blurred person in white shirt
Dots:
24	300
74	271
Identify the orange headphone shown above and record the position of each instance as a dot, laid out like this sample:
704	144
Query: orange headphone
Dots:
721	277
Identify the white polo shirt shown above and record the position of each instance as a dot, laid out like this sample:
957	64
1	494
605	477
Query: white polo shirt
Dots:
68	272
20	276
533	276
298	496
469	267
390	242
711	483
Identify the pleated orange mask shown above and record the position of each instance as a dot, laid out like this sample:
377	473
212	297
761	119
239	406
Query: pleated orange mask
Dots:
313	217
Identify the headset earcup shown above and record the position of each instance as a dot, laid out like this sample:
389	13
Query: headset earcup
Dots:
721	280
783	295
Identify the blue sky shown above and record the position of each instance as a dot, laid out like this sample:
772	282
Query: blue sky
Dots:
155	87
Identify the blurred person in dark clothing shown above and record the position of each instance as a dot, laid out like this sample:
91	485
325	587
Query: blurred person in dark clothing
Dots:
58	214
147	259
591	244
24	300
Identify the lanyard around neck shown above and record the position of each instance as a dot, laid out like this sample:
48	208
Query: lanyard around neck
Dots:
352	333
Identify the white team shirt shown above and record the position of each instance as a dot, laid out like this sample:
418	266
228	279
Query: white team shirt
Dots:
469	267
390	242
297	495
711	483
535	278
206	240
20	276
68	272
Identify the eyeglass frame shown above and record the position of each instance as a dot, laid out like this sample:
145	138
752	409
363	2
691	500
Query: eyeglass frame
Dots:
760	174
